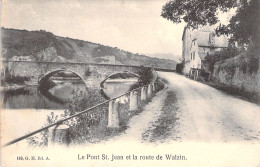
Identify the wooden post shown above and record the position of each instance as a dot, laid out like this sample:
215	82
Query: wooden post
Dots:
133	105
113	120
59	135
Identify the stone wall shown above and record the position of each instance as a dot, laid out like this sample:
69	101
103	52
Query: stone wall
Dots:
230	74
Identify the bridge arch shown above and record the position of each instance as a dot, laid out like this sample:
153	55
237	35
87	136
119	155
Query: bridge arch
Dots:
117	73
47	75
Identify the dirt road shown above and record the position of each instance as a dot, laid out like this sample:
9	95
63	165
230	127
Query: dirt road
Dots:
191	111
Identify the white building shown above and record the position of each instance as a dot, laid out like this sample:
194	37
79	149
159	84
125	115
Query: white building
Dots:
196	44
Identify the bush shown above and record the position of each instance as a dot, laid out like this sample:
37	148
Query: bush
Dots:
86	127
15	79
179	67
146	75
87	72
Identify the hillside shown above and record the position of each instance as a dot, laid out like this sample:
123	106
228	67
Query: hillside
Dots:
45	46
169	56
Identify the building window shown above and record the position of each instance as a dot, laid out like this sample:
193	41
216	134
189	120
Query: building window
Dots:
191	56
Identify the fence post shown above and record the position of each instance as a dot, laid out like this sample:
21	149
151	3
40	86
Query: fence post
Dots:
153	87
143	94
156	83
133	105
59	135
123	108
149	93
139	98
113	120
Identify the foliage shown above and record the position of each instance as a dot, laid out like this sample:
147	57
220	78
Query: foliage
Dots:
243	26
87	72
221	55
101	51
9	79
80	43
24	43
41	140
195	12
82	128
30	43
89	123
179	67
67	52
246	60
146	75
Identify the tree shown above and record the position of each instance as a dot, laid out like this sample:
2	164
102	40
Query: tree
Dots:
243	26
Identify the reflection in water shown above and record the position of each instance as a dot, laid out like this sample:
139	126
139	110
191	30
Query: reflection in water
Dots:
28	107
30	97
114	89
58	97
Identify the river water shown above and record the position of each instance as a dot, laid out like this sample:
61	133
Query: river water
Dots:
29	107
58	97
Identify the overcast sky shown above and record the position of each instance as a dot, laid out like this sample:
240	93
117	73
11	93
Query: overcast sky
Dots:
135	25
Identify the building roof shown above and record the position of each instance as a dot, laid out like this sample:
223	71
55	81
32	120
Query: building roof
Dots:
210	39
206	37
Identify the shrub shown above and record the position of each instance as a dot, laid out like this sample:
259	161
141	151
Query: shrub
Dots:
87	72
16	79
86	127
146	75
179	67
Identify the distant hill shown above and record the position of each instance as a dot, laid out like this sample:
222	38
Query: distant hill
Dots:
169	56
45	46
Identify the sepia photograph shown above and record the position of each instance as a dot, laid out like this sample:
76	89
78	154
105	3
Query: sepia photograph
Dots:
130	83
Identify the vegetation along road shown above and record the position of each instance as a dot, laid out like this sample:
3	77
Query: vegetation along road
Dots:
191	111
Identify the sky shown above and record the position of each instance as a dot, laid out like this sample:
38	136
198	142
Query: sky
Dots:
135	25
132	25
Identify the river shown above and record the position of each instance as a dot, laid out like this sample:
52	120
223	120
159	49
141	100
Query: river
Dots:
28	107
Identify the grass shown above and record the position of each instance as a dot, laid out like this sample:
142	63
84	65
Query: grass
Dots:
166	122
248	96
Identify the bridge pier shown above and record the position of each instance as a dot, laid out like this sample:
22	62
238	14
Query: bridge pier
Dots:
59	135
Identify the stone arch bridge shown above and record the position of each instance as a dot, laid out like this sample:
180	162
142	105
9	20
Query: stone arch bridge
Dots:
91	74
